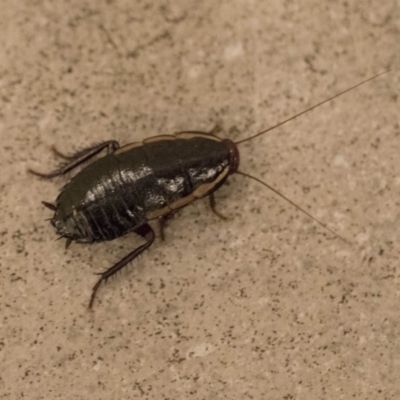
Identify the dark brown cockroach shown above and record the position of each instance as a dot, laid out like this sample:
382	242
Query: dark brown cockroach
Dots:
142	181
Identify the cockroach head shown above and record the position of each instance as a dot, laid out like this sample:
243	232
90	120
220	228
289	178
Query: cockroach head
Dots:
234	158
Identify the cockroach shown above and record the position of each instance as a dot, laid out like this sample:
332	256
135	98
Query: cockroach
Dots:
122	191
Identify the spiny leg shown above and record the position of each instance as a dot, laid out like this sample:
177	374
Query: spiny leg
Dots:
214	210
163	220
63	155
111	145
147	233
78	158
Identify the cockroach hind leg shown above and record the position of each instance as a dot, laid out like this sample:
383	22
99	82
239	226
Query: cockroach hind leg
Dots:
78	159
51	206
39	174
49	175
147	233
62	155
88	152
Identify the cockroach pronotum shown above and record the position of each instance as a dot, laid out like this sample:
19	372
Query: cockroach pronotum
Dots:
143	181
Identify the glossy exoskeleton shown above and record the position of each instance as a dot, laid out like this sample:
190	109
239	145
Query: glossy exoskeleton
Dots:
134	184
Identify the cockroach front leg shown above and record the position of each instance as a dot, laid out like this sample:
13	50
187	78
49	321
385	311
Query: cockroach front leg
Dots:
147	233
78	158
213	209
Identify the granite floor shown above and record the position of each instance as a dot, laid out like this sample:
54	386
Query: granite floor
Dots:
264	305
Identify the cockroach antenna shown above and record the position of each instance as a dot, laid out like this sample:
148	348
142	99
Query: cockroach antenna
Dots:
291	119
293	204
311	108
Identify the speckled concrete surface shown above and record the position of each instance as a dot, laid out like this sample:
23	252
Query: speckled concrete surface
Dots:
266	305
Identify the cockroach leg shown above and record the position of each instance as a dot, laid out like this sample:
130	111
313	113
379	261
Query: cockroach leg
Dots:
52	207
217	128
62	155
111	145
79	158
68	243
213	209
163	220
147	233
194	132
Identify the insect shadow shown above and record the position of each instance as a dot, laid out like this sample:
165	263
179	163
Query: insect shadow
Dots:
122	191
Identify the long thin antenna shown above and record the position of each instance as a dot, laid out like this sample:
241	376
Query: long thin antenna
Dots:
293	204
311	108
